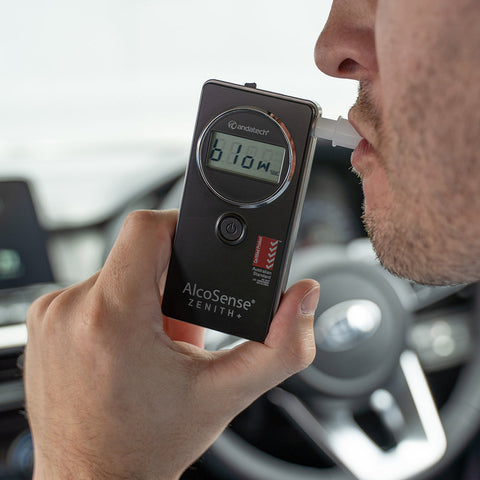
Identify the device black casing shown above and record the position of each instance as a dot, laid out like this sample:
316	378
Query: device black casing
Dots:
201	262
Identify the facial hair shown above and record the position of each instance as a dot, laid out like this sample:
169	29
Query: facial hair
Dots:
412	231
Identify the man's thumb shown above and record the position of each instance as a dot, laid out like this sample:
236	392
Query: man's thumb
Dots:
252	368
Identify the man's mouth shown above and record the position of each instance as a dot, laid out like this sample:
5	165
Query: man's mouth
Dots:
364	154
361	158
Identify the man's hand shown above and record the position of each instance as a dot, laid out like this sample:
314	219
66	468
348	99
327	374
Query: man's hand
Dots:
115	390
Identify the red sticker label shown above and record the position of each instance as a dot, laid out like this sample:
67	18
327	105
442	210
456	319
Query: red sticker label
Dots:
265	253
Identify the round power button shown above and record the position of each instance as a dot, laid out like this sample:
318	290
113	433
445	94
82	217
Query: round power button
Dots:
231	228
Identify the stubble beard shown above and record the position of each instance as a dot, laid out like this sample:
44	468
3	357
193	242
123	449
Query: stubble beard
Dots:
416	235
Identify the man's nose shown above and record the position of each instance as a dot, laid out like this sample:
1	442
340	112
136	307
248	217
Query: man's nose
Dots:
346	46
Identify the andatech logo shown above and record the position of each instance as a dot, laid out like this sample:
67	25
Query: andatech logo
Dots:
233	125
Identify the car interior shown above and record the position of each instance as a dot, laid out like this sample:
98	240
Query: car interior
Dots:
97	106
357	393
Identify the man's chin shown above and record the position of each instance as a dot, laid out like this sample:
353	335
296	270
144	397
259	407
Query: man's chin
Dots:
395	252
408	261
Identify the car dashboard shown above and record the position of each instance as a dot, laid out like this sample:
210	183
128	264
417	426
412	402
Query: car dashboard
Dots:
36	260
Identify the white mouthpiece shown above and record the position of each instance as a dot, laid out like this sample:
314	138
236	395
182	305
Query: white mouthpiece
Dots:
339	131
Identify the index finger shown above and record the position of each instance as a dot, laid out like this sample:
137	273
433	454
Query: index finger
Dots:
139	257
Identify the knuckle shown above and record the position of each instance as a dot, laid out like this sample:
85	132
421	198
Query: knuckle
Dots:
57	311
95	310
38	309
151	221
140	220
299	354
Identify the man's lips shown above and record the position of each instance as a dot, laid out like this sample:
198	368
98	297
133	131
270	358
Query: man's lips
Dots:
364	154
361	158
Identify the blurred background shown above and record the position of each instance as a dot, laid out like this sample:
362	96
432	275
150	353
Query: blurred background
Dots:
86	87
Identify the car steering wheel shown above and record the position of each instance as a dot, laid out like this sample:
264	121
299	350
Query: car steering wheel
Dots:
364	359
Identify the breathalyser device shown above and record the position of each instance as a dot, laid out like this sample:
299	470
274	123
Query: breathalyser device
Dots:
243	195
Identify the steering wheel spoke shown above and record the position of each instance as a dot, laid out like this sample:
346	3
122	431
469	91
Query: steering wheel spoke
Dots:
442	340
365	401
408	412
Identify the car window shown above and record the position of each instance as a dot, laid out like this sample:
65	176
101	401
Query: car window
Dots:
98	98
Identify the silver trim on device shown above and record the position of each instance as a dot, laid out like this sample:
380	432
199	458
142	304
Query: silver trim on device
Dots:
291	158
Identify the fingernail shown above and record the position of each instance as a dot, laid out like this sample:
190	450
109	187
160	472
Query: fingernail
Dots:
310	301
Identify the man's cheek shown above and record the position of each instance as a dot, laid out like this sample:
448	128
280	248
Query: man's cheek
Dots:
377	191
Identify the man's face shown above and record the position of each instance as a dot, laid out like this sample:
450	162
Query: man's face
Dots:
419	111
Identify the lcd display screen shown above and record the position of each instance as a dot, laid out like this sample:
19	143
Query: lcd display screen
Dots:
245	157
